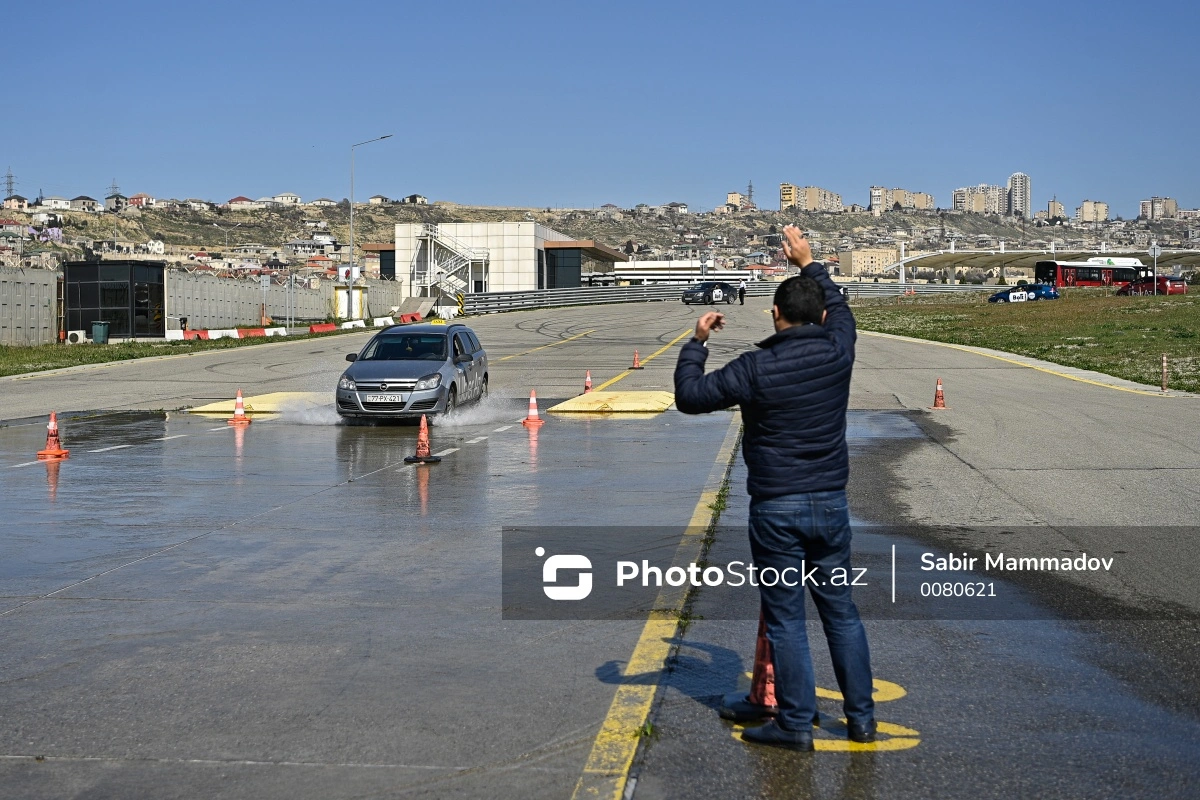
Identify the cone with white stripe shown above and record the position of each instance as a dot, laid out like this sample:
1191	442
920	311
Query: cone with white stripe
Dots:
939	399
239	412
532	420
423	454
54	450
587	382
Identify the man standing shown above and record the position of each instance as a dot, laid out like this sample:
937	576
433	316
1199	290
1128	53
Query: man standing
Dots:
793	392
742	292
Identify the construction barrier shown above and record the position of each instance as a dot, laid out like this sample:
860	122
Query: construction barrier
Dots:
383	322
322	327
354	323
248	333
407	318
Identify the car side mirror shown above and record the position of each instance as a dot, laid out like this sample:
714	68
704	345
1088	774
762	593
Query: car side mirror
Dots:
352	357
464	358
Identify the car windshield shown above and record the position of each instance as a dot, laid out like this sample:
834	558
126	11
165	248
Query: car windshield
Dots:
406	347
704	286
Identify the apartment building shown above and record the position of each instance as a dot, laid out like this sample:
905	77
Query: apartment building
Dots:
888	199
809	198
981	199
1092	211
1019	199
1158	208
866	261
1056	210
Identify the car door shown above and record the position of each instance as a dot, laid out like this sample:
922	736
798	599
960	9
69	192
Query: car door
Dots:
466	382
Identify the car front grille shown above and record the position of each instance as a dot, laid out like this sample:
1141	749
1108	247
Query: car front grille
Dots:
392	386
384	406
348	405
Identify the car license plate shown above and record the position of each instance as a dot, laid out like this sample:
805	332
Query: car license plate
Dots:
383	398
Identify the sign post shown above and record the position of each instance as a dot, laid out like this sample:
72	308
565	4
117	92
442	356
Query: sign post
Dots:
1154	252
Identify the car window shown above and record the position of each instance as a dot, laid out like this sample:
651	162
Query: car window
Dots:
406	347
461	344
475	345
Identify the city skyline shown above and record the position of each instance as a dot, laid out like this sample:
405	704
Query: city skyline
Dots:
273	102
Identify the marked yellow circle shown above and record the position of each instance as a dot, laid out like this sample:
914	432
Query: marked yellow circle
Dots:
885	691
899	738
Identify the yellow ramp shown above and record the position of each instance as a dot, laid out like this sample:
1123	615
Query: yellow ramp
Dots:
616	403
272	403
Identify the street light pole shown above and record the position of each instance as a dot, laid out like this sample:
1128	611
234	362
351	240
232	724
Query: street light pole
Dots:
350	274
226	230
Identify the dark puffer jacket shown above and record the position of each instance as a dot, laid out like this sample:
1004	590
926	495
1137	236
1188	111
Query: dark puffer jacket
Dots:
793	393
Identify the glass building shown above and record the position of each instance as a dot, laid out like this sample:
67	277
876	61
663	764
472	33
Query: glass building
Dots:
128	295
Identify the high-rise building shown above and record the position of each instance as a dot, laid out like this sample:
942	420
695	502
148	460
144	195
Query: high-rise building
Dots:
809	198
1092	211
981	199
1055	210
1158	208
1020	197
888	199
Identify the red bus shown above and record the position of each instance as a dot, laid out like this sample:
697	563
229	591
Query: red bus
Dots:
1097	271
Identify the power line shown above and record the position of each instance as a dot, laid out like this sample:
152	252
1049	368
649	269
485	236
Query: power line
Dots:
10	183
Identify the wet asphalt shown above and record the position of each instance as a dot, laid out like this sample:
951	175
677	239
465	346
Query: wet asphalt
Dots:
190	610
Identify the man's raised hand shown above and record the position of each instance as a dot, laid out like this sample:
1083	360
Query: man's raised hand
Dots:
796	247
708	322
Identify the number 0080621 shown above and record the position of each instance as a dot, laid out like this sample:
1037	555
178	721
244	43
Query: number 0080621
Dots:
958	589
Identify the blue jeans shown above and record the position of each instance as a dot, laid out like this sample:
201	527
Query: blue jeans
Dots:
798	532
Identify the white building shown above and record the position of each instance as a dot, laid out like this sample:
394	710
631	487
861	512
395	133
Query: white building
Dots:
56	202
287	199
471	257
1020	196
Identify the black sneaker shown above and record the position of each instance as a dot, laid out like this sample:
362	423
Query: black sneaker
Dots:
774	736
736	707
861	732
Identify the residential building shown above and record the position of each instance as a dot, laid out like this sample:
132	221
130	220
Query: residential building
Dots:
199	205
267	202
116	202
676	208
416	200
866	261
287	199
84	203
242	203
981	199
1092	211
1158	208
1019	196
883	199
1188	213
378	200
56	202
142	200
742	201
15	203
323	202
809	198
1056	210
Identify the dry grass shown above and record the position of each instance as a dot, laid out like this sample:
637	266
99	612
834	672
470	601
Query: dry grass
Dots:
1120	336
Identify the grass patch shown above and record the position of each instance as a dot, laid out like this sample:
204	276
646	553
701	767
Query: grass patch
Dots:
1120	336
19	360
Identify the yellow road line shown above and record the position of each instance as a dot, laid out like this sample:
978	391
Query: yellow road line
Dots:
607	768
552	344
967	349
645	360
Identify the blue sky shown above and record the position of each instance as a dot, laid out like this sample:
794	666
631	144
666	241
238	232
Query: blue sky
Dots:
572	104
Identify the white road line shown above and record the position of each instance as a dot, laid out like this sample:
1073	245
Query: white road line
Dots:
447	451
26	464
114	447
169	438
222	428
498	430
477	440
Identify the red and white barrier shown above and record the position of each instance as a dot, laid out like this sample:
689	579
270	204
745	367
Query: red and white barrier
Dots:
226	333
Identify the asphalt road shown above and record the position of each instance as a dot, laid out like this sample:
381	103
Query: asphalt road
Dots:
289	611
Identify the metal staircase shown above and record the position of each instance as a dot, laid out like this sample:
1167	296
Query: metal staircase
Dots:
442	266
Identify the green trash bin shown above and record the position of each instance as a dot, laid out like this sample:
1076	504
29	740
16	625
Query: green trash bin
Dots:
99	333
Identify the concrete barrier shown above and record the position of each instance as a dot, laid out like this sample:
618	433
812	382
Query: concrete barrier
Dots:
322	327
354	323
383	322
224	333
276	331
175	335
249	333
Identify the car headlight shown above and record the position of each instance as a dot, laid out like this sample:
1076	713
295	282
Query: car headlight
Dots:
429	382
347	383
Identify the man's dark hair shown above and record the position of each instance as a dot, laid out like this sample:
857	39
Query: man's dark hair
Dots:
800	299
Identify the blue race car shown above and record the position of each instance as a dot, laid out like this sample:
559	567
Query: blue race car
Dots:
1024	294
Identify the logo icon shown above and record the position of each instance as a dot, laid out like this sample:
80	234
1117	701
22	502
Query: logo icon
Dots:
565	562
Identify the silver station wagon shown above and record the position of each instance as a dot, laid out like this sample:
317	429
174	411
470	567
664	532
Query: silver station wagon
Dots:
408	370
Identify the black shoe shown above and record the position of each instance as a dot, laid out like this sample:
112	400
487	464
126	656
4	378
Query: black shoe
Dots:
774	736
736	707
861	732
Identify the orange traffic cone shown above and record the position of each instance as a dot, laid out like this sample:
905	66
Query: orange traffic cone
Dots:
939	399
532	420
239	412
637	362
423	456
54	450
587	382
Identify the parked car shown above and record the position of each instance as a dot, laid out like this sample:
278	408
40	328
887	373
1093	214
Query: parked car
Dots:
1025	293
1167	284
709	292
405	371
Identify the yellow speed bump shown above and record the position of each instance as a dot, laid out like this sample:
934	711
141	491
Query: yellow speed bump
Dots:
272	403
616	403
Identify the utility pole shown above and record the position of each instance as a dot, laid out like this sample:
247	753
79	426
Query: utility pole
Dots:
114	189
10	183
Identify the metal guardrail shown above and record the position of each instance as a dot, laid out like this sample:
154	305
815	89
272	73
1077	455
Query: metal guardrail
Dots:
493	302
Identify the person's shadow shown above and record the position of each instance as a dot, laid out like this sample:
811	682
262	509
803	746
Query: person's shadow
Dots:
702	671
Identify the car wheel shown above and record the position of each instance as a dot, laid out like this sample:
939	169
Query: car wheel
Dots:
483	391
728	299
451	402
